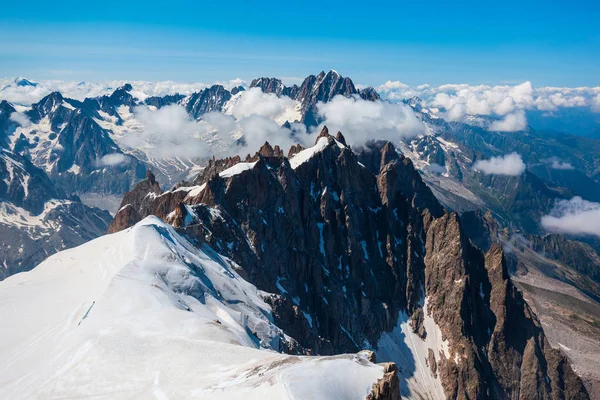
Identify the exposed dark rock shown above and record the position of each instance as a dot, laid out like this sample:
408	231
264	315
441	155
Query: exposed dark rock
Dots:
340	138
207	100
236	90
388	387
6	123
54	220
158	101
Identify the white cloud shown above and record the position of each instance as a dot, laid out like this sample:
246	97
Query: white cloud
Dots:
171	132
361	120
511	164
511	123
255	102
113	159
20	119
456	112
396	90
575	216
168	131
457	101
436	168
257	130
555	163
596	103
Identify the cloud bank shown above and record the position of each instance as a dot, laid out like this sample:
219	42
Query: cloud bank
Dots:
27	95
171	132
511	123
575	216
506	102
253	117
511	164
20	119
255	102
360	120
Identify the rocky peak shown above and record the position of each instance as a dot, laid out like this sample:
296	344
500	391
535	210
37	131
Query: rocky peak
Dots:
295	149
158	101
369	94
388	154
45	106
136	202
207	100
150	177
267	151
340	138
6	123
122	96
320	88
214	167
237	90
323	134
268	85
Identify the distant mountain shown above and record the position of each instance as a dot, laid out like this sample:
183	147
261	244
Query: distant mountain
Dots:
64	138
207	100
36	218
21	82
446	156
82	146
314	89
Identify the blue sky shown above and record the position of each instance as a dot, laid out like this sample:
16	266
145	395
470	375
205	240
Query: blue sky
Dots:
549	43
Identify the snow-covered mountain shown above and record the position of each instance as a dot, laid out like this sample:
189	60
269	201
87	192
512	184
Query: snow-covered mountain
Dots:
37	219
144	313
361	256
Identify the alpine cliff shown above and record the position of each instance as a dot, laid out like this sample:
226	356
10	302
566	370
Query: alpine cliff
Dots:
358	254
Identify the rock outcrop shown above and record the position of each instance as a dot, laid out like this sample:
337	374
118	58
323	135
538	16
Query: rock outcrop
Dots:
388	387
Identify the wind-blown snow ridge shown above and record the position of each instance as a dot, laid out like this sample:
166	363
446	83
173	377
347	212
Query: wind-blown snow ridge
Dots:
406	348
141	314
307	154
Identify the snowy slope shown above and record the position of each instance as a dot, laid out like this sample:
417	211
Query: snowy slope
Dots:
404	347
144	314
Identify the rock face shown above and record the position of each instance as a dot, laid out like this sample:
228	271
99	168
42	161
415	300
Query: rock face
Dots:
348	242
166	100
207	100
315	88
501	342
67	141
36	218
6	123
388	387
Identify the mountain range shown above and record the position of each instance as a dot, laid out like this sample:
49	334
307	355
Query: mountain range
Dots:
404	249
